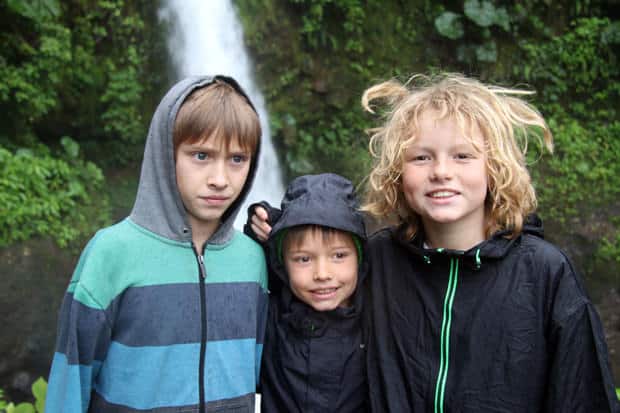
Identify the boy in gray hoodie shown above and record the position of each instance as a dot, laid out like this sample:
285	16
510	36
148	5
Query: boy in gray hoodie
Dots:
166	310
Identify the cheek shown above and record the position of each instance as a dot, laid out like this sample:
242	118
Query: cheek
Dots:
351	272
296	279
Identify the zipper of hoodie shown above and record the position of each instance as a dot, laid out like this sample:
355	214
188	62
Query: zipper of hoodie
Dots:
442	376
202	275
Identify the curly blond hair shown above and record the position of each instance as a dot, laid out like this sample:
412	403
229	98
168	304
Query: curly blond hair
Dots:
507	124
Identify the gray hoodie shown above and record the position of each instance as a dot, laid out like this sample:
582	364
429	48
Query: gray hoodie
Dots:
158	205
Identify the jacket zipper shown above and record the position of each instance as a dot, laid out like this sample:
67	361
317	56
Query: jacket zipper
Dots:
442	376
202	275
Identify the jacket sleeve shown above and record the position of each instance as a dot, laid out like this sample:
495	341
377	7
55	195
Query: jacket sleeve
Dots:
580	378
83	338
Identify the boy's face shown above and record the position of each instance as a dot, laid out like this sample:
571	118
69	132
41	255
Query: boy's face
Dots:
444	177
322	272
210	176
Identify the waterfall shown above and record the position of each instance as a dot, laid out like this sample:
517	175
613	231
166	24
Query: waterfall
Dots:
207	38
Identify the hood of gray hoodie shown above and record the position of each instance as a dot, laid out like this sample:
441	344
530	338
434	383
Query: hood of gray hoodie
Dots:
158	206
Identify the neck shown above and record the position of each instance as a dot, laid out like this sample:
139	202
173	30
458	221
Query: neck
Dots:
201	232
452	237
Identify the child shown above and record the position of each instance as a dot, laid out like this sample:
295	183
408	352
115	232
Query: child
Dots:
471	309
314	357
166	309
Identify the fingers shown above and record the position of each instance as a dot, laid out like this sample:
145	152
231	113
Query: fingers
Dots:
261	213
260	227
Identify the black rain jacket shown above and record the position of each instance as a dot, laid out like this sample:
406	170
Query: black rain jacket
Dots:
504	327
313	361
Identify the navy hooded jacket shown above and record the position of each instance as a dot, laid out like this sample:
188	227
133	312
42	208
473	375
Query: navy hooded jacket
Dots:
313	361
503	327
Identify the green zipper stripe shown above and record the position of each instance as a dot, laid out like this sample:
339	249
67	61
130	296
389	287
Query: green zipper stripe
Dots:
443	327
445	337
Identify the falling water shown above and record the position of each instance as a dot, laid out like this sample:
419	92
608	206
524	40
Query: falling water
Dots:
208	39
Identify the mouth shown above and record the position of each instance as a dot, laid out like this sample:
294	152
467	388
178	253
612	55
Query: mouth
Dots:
324	293
442	194
214	199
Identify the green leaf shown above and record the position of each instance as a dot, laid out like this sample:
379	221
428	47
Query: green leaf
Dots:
487	52
35	9
480	12
502	19
449	25
24	408
39	390
72	148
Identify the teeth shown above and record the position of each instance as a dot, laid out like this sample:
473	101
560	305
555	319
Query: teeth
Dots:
442	194
326	291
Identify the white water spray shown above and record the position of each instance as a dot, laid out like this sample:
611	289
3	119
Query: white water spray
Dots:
208	39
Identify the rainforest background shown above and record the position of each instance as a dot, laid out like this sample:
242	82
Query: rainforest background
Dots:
79	80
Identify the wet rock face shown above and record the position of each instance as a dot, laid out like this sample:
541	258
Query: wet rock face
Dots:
35	275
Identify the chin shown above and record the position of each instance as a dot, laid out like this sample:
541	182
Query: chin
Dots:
324	307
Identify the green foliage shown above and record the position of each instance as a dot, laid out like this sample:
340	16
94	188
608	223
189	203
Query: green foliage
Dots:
577	76
39	390
46	195
323	22
75	70
566	51
477	18
81	69
35	10
450	25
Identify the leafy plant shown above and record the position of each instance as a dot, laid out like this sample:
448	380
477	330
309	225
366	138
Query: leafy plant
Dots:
46	195
39	390
480	16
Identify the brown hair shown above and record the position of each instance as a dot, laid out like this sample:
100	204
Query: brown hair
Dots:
294	236
505	120
217	110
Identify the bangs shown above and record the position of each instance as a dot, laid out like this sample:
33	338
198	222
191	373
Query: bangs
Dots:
295	236
217	110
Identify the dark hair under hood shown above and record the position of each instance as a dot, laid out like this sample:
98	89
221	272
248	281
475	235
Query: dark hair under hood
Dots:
158	206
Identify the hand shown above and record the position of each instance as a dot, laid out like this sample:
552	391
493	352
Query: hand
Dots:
259	223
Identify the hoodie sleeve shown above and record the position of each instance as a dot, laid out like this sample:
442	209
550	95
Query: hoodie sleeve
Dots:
580	379
83	338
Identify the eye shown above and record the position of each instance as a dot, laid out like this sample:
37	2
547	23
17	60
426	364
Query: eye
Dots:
340	255
238	159
201	156
464	155
301	259
419	158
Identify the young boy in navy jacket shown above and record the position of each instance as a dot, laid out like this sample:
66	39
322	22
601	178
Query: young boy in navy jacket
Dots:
313	357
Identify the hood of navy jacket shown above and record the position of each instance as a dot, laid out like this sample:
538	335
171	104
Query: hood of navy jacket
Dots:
327	200
158	206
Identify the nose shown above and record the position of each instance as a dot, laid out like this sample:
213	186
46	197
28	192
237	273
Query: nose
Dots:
322	271
442	169
218	175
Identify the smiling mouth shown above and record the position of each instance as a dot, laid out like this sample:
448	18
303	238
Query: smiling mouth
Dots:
441	194
324	292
